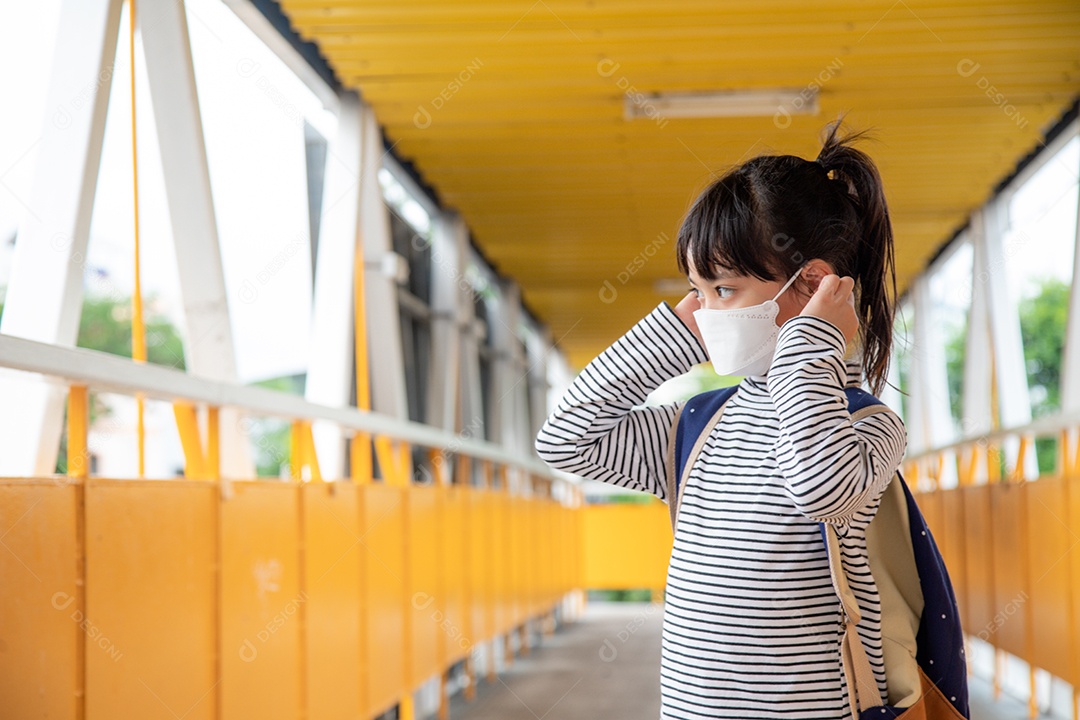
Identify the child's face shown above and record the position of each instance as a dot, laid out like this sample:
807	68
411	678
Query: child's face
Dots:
731	291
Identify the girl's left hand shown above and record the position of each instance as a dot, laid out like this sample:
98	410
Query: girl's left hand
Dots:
834	300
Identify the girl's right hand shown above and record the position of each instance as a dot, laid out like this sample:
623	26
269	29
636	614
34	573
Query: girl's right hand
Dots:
685	310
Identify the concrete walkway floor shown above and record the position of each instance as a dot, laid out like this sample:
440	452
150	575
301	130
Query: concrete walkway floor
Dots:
607	665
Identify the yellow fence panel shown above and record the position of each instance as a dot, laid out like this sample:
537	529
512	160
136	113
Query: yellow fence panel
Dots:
43	623
480	566
383	562
512	517
502	546
454	624
625	545
332	589
955	550
150	594
979	606
1010	595
425	599
1051	540
262	602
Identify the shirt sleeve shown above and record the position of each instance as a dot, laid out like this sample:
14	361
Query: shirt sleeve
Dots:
833	468
596	431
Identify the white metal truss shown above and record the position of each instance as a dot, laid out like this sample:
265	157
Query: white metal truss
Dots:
45	292
1070	366
385	353
331	349
930	384
209	347
444	370
1010	373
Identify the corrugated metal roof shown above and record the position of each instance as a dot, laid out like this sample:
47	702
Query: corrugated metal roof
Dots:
514	113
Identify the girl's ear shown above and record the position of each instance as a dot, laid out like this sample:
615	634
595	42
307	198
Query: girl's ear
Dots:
814	272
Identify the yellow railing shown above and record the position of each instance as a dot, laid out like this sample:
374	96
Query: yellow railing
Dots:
1012	548
206	598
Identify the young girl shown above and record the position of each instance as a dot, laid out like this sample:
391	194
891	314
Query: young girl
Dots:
788	261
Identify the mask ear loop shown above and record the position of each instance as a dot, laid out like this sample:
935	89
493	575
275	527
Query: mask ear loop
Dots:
791	280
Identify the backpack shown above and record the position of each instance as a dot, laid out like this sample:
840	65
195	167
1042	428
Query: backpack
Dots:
922	637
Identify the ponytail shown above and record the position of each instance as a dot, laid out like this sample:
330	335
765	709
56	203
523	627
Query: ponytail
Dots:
853	174
766	217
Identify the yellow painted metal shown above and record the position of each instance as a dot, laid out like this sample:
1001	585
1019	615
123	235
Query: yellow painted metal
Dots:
625	545
394	460
78	423
457	632
311	458
213	443
1050	542
382	529
424	600
360	446
261	597
187	425
150	601
333	543
296	450
317	585
1010	592
138	329
41	604
978	608
515	115
360	466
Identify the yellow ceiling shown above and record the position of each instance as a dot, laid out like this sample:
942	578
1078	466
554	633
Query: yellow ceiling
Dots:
513	112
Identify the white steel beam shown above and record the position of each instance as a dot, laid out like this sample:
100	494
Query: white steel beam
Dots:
472	396
444	370
330	361
932	386
45	292
978	418
1070	366
1014	400
209	347
387	362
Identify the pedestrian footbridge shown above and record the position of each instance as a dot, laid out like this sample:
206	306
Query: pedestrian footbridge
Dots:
288	288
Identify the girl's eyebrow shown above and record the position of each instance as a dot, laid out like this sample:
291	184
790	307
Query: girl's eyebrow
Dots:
722	275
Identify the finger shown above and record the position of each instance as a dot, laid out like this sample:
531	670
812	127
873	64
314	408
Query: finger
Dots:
844	287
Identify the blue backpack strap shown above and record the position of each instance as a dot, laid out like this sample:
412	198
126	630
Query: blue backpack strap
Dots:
695	415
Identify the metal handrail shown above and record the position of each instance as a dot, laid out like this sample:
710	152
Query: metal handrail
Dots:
112	373
1043	427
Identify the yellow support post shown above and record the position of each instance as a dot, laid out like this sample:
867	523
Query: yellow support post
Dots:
488	481
78	422
360	458
311	459
1017	474
360	447
187	426
462	477
296	459
213	443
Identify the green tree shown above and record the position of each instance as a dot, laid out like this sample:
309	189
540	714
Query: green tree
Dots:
105	326
1043	318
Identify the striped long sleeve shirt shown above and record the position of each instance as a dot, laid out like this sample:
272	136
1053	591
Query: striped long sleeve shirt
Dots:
752	625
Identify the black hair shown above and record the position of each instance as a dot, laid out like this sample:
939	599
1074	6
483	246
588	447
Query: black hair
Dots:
770	215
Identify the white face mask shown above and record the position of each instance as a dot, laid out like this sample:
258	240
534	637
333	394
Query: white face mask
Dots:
741	341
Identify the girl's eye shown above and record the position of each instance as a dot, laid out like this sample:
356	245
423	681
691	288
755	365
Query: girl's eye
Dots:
719	291
697	293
